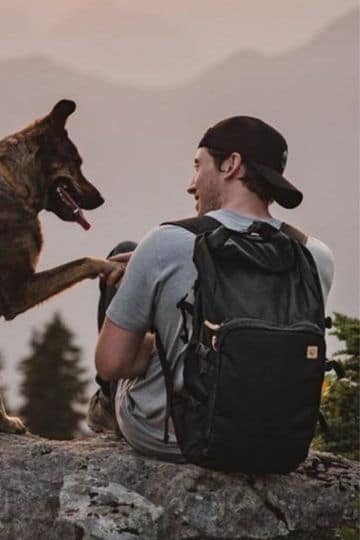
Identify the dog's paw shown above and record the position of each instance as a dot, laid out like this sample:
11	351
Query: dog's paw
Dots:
11	424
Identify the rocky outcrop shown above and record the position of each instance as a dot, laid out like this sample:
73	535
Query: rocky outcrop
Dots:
97	488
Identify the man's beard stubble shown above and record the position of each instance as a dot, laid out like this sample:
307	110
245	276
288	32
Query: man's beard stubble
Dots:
213	203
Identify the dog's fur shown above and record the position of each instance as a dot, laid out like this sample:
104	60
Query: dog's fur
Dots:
32	164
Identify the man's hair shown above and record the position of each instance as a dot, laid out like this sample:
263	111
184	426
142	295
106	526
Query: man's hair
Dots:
251	180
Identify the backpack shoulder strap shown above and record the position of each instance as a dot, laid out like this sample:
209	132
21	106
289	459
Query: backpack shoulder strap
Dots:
168	383
201	224
294	233
196	225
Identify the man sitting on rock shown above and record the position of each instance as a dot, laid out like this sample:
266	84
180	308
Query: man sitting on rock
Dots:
238	171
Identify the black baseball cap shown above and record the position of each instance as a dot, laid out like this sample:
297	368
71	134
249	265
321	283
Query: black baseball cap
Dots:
263	149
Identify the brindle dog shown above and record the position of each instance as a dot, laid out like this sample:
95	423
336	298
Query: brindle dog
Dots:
33	164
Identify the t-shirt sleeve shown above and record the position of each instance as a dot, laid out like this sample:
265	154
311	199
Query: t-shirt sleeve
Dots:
133	304
324	261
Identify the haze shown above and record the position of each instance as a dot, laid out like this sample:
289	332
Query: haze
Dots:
148	81
165	42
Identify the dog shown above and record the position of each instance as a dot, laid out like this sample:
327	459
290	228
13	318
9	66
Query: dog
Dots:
40	168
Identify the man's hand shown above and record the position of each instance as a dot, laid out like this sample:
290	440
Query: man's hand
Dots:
101	267
121	257
117	269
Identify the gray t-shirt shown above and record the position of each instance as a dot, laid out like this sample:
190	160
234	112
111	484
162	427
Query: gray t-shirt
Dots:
160	273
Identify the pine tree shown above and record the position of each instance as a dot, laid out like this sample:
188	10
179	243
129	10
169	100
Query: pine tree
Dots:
53	385
340	401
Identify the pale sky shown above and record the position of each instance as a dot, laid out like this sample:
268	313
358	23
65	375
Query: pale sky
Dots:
162	42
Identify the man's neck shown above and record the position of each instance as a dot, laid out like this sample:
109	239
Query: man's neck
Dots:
249	209
240	199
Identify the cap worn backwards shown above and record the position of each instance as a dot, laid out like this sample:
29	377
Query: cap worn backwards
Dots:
263	149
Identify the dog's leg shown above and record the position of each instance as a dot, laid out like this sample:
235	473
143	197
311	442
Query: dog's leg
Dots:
43	285
9	424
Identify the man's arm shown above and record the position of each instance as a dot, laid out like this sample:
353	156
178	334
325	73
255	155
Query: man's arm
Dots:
125	344
121	354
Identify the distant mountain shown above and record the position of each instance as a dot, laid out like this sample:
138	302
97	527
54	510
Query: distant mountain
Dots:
133	137
138	146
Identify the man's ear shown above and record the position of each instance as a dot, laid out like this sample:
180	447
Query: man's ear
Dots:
61	112
233	166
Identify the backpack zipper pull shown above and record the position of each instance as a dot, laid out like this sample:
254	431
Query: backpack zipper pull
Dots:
214	328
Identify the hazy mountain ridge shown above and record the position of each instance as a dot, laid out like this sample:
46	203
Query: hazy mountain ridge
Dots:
309	94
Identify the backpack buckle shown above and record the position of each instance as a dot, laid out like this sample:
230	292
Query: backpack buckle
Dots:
336	366
262	229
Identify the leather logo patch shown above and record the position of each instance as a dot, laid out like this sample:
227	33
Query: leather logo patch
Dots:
312	352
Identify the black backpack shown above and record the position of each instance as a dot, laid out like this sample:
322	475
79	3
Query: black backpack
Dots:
255	362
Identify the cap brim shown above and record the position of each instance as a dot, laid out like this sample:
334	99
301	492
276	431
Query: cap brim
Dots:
284	192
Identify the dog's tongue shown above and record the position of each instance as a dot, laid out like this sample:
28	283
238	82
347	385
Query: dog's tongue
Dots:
77	212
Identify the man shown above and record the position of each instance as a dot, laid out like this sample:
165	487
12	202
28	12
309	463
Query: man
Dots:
237	175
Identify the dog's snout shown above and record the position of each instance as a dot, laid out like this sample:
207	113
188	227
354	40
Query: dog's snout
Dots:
88	196
100	200
92	199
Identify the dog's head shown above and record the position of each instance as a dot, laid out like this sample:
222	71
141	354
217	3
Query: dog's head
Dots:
61	165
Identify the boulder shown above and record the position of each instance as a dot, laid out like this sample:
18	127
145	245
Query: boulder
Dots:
98	488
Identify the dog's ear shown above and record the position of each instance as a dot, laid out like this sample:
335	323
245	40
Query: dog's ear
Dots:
61	111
